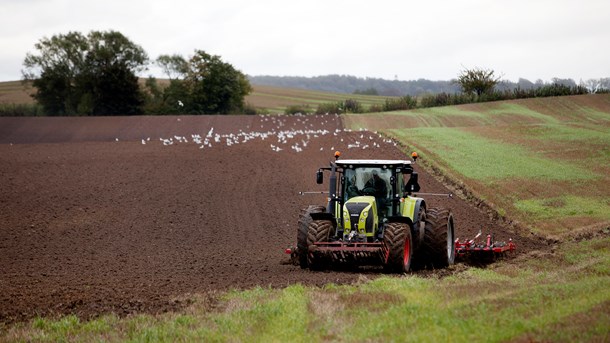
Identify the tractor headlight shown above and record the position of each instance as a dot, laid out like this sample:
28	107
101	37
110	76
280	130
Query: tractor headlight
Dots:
364	214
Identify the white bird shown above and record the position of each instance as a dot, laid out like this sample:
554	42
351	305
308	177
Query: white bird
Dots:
180	103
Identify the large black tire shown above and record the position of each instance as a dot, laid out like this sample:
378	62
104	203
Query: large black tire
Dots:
419	255
304	221
439	238
319	231
398	247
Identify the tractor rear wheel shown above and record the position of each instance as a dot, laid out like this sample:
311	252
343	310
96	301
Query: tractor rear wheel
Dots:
304	221
439	238
398	247
319	231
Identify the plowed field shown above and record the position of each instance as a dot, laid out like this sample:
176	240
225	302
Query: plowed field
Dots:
124	215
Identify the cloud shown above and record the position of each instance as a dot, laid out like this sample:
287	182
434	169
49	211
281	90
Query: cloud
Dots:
431	39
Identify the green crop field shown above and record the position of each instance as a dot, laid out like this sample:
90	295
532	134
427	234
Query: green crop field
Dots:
544	162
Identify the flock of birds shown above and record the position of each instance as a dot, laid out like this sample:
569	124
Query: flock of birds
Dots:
281	137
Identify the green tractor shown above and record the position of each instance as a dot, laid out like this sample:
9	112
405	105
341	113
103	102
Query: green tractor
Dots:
373	218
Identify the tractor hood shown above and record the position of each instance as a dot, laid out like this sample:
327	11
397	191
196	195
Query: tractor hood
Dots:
360	215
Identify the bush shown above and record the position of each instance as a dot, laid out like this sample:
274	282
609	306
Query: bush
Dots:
345	106
446	99
20	110
406	102
297	109
376	108
352	106
330	108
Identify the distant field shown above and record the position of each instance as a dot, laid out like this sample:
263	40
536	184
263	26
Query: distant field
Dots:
544	162
271	99
276	99
15	92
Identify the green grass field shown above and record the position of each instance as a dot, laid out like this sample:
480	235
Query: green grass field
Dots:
560	296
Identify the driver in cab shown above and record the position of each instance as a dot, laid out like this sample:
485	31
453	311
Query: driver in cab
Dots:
378	185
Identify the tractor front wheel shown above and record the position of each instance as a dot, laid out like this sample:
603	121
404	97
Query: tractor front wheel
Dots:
304	221
398	247
319	231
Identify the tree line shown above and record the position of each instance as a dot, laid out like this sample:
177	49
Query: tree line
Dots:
476	85
96	74
375	86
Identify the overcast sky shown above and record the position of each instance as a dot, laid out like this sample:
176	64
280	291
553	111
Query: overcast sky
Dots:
407	40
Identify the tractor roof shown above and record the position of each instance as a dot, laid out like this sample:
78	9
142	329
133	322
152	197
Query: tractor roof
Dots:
372	163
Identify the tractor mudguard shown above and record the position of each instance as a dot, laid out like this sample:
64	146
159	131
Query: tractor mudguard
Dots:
400	219
410	207
324	216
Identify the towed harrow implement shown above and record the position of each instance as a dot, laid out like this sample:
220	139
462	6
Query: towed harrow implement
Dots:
482	251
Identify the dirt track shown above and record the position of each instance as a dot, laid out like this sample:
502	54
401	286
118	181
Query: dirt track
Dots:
91	225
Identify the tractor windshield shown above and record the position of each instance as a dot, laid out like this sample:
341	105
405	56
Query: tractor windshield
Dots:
369	181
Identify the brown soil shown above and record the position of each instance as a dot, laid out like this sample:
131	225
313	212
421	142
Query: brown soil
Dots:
94	221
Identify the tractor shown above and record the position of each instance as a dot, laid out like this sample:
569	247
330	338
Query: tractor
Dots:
373	217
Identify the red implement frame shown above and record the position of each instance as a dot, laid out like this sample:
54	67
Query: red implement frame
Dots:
489	247
361	252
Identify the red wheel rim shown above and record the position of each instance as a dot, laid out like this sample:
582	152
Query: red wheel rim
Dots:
407	252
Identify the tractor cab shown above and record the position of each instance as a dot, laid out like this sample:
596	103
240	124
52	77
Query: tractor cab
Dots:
370	192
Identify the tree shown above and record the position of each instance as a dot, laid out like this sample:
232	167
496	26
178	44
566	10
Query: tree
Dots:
93	74
477	80
61	58
173	66
214	86
596	85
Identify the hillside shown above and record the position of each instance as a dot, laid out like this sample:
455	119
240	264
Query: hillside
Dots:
347	84
544	163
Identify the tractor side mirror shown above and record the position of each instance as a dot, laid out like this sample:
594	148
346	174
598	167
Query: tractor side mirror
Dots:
407	170
319	177
412	185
